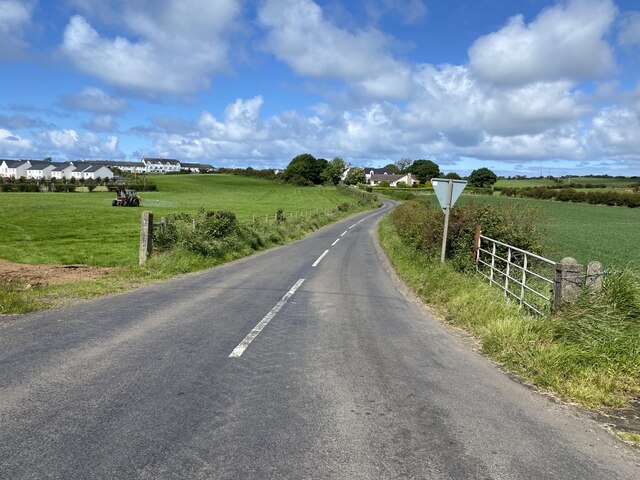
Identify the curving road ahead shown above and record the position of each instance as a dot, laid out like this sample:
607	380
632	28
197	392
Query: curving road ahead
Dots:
303	362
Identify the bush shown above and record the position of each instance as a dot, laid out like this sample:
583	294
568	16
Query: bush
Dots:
421	226
384	184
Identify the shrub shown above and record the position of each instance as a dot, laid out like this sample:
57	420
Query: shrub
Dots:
384	184
420	225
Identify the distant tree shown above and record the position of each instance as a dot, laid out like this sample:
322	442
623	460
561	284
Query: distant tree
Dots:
354	176
334	170
403	165
424	170
307	166
393	167
482	177
453	176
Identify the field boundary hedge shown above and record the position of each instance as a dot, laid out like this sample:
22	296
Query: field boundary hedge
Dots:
609	197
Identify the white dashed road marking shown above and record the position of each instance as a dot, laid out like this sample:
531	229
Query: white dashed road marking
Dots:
315	264
242	346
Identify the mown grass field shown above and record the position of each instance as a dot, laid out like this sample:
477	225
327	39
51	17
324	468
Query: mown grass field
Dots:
586	232
71	228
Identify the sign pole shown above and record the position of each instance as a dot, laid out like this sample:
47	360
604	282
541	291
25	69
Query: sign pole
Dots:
447	209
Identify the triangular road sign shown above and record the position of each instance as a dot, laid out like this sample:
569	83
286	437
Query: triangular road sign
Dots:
441	187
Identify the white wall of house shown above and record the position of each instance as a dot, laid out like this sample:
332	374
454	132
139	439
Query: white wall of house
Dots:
40	173
14	172
102	172
60	174
78	173
153	166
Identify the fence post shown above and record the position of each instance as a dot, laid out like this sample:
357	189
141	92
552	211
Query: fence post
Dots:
476	243
593	281
146	236
568	282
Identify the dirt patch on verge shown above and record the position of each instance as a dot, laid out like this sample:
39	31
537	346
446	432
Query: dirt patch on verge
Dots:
34	275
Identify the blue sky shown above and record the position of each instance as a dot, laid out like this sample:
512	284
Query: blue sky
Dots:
522	87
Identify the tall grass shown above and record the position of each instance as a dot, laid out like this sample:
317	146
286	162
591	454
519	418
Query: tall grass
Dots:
589	352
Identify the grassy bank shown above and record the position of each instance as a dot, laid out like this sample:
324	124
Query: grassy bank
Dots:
589	353
180	257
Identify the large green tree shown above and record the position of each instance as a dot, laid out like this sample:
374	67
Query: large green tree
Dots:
334	170
354	176
307	167
424	170
393	167
482	177
403	165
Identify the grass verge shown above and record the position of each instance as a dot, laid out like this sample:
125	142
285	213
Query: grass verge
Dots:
588	353
17	297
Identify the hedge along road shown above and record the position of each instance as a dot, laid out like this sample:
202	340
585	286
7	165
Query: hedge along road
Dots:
301	362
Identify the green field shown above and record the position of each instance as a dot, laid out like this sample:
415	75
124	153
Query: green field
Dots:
70	228
586	232
610	182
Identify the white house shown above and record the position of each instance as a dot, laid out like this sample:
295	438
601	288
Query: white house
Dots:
62	170
132	167
195	167
14	168
78	173
96	171
369	172
161	165
408	179
39	170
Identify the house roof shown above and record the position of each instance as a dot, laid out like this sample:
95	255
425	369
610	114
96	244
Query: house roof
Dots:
14	163
379	171
62	166
195	165
35	165
387	178
107	163
169	161
94	168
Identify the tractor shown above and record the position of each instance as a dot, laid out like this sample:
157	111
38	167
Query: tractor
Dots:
126	197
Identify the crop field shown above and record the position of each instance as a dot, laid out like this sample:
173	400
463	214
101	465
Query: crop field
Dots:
610	182
586	232
74	228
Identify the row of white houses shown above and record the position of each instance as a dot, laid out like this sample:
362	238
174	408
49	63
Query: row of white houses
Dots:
91	169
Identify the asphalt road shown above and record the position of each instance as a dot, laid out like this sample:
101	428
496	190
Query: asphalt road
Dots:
346	379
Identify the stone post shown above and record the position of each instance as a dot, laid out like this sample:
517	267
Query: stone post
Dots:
146	236
593	281
568	282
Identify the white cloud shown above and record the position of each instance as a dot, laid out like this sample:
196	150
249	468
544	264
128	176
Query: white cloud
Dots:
629	33
176	45
95	100
452	101
241	122
565	42
73	144
15	17
13	145
313	46
616	130
100	123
